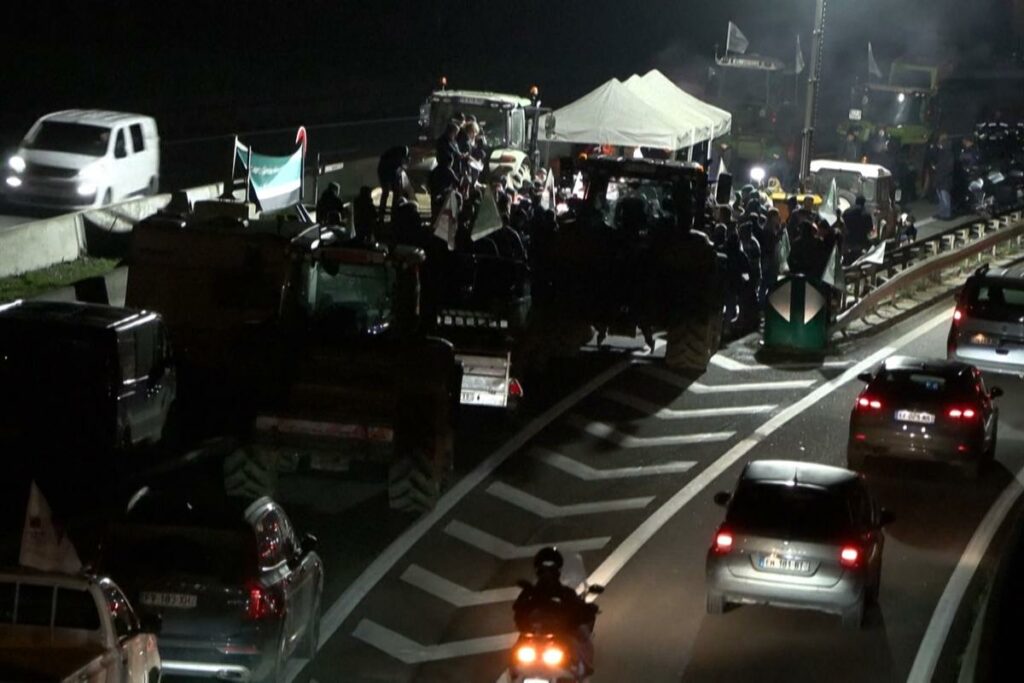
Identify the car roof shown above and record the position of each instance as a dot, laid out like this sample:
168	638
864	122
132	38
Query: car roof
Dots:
98	117
937	366
503	98
1009	274
864	170
797	472
176	508
73	314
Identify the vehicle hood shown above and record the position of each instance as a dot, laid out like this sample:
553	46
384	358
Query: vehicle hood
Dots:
57	159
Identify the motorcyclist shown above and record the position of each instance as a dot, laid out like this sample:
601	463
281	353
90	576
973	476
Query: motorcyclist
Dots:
559	606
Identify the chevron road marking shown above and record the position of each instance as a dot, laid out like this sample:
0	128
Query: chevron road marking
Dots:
543	508
733	365
504	550
653	409
453	593
411	652
680	382
588	473
603	430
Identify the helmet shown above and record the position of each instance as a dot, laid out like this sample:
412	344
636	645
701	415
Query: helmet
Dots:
548	558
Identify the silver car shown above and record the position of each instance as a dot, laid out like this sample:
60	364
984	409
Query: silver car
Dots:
988	323
797	535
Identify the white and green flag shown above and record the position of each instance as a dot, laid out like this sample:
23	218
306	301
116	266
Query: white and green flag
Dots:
830	207
276	181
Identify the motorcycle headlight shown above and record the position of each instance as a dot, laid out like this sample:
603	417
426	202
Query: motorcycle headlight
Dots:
16	163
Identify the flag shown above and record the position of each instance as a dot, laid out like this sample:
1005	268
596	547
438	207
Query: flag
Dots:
872	64
721	168
735	41
487	217
799	68
830	207
875	255
447	223
276	181
547	197
782	249
43	547
833	275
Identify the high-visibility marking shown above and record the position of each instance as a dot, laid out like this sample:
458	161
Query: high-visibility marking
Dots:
654	410
410	652
733	365
453	593
588	473
543	508
681	382
504	550
605	431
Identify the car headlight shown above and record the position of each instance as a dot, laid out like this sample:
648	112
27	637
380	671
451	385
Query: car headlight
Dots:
13	181
87	188
16	163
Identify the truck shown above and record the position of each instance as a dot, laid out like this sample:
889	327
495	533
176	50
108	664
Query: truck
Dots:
902	105
62	628
305	344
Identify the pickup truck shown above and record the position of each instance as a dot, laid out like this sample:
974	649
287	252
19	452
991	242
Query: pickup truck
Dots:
63	628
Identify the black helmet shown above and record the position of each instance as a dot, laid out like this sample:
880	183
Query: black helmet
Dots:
548	558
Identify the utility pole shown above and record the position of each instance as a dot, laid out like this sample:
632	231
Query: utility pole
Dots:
813	75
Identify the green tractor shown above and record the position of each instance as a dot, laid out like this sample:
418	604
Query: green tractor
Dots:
902	105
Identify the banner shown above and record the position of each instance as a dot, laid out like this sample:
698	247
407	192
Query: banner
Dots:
833	275
43	547
276	182
447	223
735	41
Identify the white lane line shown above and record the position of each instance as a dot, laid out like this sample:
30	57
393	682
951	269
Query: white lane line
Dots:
411	652
614	563
653	409
934	639
453	593
682	382
503	550
588	473
733	365
342	607
603	430
543	508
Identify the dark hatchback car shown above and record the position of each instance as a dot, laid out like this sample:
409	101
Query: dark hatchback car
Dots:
800	535
926	410
237	591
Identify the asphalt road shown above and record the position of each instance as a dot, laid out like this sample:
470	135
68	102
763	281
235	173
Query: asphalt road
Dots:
623	469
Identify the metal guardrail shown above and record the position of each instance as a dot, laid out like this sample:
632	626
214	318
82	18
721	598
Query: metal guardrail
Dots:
923	260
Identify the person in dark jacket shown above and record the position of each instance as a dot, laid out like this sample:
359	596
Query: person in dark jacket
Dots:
737	272
440	183
330	202
851	147
859	226
943	172
364	216
808	255
390	173
447	149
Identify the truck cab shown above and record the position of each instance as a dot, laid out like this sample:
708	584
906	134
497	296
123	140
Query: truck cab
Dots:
872	181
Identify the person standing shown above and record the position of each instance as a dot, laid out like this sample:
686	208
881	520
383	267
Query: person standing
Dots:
859	226
851	147
390	173
329	202
447	149
943	171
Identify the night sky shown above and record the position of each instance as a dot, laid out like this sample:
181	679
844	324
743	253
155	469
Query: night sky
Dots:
213	67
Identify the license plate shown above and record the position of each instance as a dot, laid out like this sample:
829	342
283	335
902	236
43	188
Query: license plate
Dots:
175	600
784	564
915	416
536	680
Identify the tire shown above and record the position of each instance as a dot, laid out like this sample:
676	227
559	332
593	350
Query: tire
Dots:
690	345
853	617
249	474
715	602
412	484
855	459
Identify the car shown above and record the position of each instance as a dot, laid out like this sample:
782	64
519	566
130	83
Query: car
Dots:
800	535
930	410
237	591
85	158
988	321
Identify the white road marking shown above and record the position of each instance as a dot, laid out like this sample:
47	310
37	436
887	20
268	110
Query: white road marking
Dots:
543	508
342	607
614	563
588	473
733	365
682	382
453	593
653	409
504	550
603	430
934	639
411	652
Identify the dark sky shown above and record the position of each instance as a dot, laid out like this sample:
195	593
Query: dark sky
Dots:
228	65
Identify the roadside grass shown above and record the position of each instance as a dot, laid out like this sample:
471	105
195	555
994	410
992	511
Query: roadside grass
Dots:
36	282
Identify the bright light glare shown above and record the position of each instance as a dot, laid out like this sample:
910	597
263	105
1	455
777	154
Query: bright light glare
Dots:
16	163
13	182
849	554
757	174
526	654
86	189
901	98
553	656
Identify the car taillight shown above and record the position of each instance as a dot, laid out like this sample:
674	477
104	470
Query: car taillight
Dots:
261	603
869	403
527	654
723	541
553	656
849	556
515	389
957	315
961	413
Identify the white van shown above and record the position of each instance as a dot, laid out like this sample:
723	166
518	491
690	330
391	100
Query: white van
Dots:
84	158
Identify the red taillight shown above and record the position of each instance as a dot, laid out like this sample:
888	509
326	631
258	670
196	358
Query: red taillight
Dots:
869	403
957	315
723	541
515	388
961	413
261	603
849	556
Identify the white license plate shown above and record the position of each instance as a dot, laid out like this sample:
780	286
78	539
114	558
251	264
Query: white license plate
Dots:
784	564
915	416
175	600
536	680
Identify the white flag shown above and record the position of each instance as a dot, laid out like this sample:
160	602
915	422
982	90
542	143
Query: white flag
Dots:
872	64
721	167
42	546
547	197
782	250
735	41
447	223
487	218
833	275
875	254
799	68
830	207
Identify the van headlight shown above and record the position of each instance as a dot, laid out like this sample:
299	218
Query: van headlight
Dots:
17	164
87	188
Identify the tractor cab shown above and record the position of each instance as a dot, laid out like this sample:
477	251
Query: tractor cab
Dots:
872	181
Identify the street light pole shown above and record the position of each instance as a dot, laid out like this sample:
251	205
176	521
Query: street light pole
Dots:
814	73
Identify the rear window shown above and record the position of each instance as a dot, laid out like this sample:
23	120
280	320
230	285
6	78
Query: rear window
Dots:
138	553
74	138
33	605
991	301
918	385
783	511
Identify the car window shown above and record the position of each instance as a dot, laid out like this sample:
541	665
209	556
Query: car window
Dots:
138	144
780	510
994	301
76	609
125	621
120	147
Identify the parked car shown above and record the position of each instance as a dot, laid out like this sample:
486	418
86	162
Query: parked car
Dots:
84	158
797	534
63	628
98	377
926	410
988	322
237	590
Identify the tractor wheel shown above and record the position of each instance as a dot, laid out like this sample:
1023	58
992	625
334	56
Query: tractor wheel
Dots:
250	474
415	483
690	344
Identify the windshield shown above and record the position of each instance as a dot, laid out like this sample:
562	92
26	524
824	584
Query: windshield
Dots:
492	119
783	511
75	138
991	301
354	295
846	181
634	204
895	108
146	551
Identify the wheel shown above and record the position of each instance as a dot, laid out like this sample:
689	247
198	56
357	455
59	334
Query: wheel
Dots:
412	483
249	474
690	344
715	602
853	617
855	459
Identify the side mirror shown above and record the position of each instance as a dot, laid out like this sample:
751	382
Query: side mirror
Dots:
995	392
309	543
885	517
150	623
865	377
722	498
596	589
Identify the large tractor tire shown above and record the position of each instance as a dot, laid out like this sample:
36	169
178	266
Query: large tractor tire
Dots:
249	473
691	343
415	482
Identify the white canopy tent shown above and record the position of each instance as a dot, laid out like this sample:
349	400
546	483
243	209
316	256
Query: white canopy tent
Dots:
698	121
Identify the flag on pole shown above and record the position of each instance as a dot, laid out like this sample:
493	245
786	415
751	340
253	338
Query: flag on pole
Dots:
735	41
547	197
799	68
447	223
830	207
43	546
276	181
782	249
487	219
872	64
833	275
